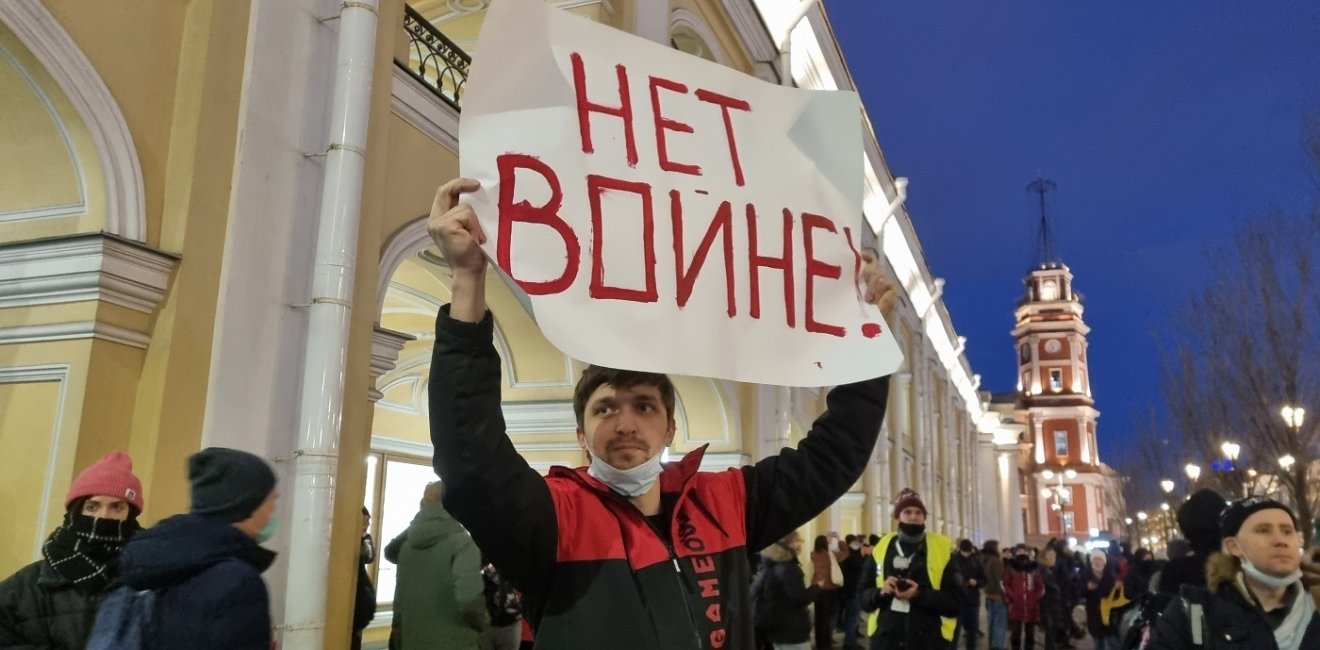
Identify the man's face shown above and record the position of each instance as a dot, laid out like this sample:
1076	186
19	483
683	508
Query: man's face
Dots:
1098	562
912	515
1269	539
106	508
625	427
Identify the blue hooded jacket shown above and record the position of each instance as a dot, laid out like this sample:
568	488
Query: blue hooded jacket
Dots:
205	576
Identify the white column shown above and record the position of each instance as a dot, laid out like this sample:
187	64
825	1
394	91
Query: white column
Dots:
1010	512
989	493
651	21
905	428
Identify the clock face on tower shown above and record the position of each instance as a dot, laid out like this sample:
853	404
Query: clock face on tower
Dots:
1049	290
1052	346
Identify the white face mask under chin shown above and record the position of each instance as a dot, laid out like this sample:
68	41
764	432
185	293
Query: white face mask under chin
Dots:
629	482
1273	582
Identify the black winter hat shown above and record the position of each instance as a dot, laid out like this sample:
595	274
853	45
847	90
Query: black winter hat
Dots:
227	484
966	546
1237	513
1198	518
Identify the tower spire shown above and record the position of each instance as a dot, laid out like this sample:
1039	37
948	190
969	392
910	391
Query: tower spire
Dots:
1044	239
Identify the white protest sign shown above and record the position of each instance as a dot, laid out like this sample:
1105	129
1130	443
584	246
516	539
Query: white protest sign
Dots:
669	214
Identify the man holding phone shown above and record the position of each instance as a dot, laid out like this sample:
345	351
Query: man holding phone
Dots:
916	593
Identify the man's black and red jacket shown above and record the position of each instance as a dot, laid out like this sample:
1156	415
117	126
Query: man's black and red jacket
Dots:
594	572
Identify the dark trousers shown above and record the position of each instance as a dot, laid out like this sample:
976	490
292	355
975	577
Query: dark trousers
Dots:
969	624
827	605
1015	635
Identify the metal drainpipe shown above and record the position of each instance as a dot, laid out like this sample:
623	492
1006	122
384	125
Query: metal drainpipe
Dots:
786	43
321	402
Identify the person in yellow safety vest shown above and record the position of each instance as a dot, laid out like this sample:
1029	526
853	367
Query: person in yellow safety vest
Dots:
916	593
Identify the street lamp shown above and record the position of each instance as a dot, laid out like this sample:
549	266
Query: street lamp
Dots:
1127	520
1141	515
1293	416
1193	471
1167	486
1231	449
1057	493
1286	462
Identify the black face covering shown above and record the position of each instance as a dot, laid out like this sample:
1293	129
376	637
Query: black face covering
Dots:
85	550
911	532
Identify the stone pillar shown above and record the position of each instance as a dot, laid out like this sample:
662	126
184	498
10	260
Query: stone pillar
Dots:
903	417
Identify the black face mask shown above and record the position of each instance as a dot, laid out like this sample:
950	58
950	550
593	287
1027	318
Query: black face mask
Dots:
911	531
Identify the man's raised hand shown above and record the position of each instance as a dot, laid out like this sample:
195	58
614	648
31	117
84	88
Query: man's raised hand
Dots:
879	290
454	228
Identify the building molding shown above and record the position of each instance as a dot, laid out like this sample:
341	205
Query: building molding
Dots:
73	331
417	105
385	347
41	33
687	18
58	373
74	208
83	268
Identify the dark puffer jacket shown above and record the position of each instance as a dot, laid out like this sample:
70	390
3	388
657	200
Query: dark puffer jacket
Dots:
39	608
787	596
207	579
1231	618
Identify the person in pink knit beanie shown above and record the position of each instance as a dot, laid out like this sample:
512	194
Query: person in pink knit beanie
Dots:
52	602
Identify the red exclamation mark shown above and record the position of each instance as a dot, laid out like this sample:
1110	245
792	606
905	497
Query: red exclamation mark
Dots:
869	330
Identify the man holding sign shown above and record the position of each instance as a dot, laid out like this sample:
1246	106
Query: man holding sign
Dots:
625	553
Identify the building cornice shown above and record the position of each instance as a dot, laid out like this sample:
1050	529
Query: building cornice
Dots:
84	268
420	107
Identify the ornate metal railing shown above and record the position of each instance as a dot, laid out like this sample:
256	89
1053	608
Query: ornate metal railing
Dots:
434	59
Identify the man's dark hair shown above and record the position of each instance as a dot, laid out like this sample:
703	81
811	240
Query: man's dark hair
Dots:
822	543
596	376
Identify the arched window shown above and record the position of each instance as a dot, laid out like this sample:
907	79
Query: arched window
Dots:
687	33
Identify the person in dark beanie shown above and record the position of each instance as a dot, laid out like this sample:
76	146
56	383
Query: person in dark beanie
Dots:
973	575
1258	592
917	593
194	580
850	592
52	602
1198	518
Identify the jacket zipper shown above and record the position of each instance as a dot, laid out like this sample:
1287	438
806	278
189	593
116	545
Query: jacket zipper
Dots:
678	574
673	559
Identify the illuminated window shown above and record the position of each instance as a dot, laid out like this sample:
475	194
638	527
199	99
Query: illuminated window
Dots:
1060	443
1065	495
1068	522
1056	379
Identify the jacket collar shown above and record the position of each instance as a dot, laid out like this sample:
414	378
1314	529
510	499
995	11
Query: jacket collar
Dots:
1221	571
674	478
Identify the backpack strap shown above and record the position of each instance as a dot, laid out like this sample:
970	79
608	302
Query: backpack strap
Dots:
1193	602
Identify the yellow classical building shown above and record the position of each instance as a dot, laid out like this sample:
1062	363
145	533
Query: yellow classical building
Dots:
211	234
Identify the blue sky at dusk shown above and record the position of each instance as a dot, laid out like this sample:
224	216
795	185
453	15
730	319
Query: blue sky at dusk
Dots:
1164	124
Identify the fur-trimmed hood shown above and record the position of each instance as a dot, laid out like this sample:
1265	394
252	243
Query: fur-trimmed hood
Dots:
1222	569
778	554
